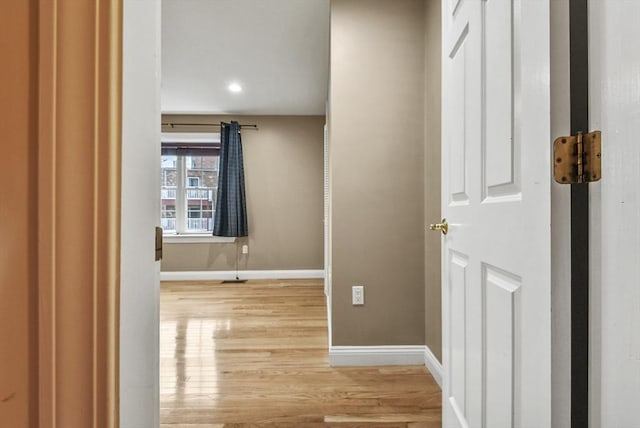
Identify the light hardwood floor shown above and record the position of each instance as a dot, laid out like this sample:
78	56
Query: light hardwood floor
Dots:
240	355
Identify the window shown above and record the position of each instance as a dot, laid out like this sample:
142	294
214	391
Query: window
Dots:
189	187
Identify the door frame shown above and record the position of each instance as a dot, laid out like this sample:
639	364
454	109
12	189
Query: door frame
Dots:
92	47
79	127
579	107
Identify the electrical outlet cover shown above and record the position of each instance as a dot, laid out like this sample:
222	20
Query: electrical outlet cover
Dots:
357	295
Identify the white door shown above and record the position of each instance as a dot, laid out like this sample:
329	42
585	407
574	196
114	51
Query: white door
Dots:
496	198
614	74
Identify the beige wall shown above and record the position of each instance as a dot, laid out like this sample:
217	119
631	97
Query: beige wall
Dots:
284	188
432	209
18	211
377	170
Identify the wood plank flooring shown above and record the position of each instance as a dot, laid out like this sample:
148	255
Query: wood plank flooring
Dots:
255	354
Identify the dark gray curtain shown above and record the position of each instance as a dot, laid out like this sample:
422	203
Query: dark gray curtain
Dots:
231	205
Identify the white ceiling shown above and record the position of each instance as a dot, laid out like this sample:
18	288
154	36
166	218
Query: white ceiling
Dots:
278	50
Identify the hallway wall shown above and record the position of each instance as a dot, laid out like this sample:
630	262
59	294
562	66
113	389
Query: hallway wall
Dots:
377	171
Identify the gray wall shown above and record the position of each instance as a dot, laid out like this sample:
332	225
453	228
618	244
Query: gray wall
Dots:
377	166
432	201
284	188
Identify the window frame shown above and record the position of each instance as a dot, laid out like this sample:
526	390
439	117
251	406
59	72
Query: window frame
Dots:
181	235
189	185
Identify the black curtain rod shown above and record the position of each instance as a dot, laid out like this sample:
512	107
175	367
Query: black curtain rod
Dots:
172	125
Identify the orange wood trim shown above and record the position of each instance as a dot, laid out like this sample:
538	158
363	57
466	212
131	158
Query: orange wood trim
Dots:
107	125
79	212
18	211
46	213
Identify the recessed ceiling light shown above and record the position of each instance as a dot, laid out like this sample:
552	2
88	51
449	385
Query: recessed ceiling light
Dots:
235	87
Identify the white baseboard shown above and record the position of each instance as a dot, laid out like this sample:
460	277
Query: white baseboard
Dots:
433	365
376	355
222	275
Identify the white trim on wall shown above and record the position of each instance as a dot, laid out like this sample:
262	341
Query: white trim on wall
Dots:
243	274
391	355
433	365
358	356
196	239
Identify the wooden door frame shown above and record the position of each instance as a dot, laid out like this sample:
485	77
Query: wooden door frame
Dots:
79	157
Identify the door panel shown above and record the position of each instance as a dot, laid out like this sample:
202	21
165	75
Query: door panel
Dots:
496	197
458	328
457	164
501	311
497	80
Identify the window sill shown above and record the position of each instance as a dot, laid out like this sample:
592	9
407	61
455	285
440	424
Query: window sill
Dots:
196	238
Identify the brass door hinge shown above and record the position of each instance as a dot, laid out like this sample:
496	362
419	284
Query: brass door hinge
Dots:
578	159
158	243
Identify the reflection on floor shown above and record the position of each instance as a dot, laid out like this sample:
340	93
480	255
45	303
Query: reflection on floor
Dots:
237	355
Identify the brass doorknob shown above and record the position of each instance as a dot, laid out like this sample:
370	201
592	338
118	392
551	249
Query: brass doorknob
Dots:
442	227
